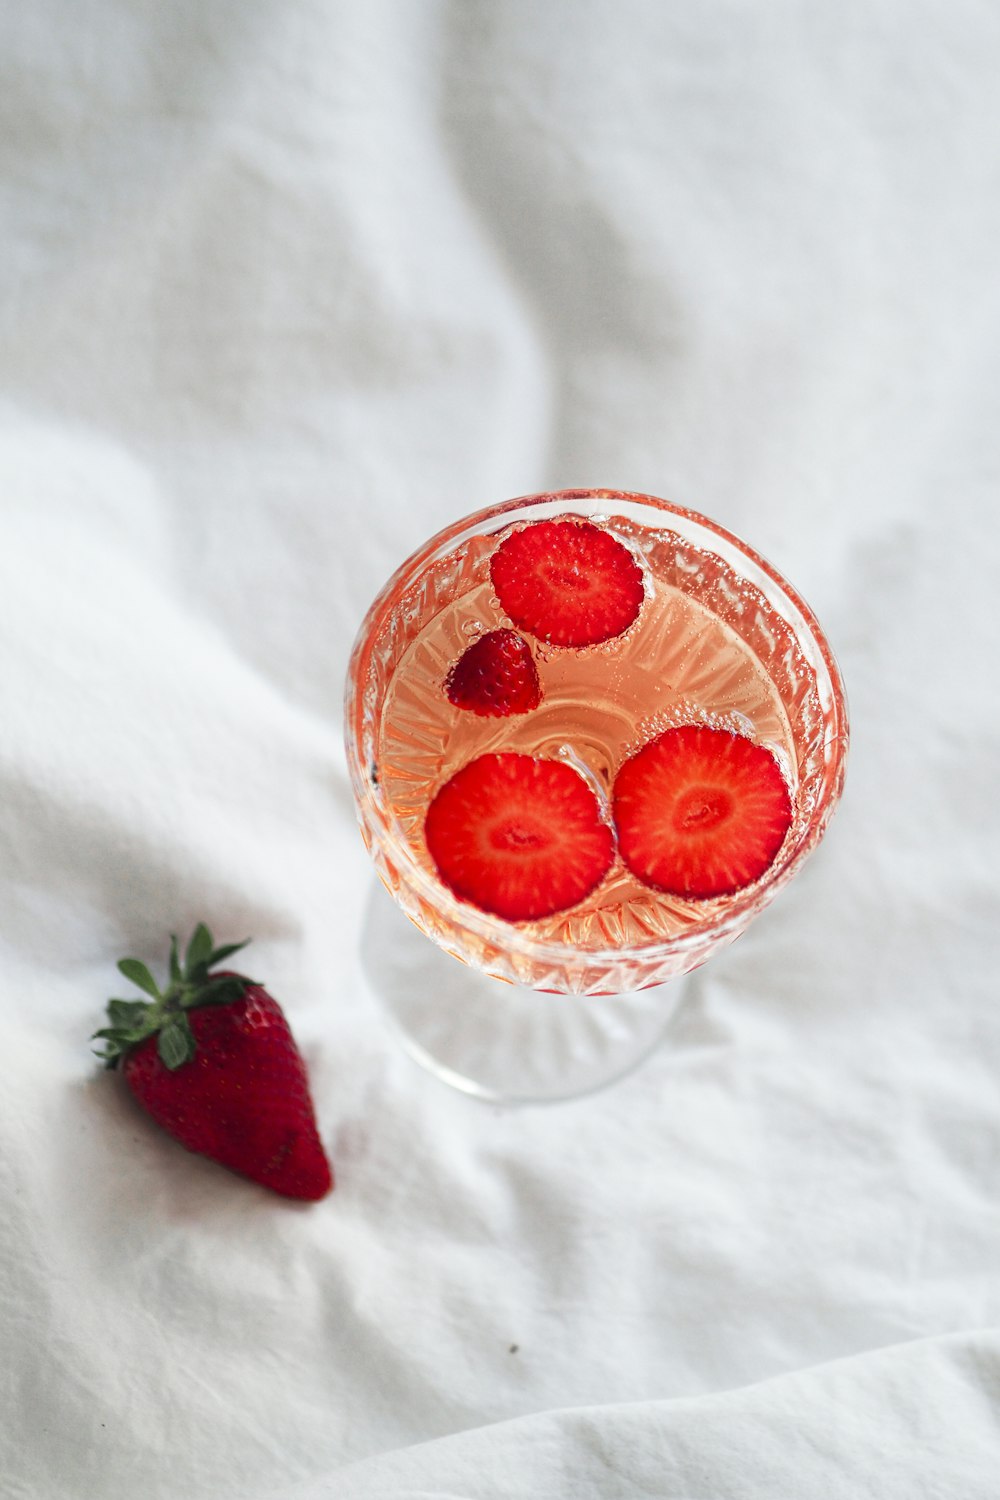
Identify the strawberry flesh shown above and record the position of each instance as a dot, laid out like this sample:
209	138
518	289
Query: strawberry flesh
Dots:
518	837
700	812
495	677
567	582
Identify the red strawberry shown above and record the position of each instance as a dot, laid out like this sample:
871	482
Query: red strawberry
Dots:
518	837
213	1061
700	812
496	676
567	582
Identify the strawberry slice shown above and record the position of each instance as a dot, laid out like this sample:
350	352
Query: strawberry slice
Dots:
495	677
567	582
518	837
700	812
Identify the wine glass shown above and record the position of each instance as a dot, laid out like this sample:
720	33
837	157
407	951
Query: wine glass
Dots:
555	1007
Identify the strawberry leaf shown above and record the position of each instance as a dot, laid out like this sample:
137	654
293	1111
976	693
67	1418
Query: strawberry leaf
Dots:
112	1052
176	974
199	951
221	991
140	975
175	1043
119	1039
121	1036
226	951
127	1014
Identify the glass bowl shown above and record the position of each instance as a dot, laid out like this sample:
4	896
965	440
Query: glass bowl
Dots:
583	997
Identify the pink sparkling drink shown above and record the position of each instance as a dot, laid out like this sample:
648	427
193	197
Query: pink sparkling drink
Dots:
721	639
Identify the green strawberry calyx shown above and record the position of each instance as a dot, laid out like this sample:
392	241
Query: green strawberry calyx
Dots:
163	1015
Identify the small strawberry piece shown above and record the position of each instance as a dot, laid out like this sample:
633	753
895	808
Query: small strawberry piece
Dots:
518	837
212	1060
567	582
495	677
700	812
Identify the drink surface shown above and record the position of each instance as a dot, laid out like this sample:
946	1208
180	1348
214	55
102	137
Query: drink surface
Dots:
687	658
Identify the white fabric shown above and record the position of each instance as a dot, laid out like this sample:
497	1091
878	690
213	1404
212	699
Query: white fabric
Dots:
285	286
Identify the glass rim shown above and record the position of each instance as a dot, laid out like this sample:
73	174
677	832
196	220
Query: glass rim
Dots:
378	824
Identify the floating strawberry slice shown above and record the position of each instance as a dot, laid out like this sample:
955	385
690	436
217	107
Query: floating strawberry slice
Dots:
518	837
567	582
496	676
700	812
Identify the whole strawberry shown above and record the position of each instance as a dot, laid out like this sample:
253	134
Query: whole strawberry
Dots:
212	1059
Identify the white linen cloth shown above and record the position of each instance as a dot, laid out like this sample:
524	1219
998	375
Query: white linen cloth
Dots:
286	285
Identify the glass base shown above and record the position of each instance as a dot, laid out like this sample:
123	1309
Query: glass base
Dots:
497	1041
